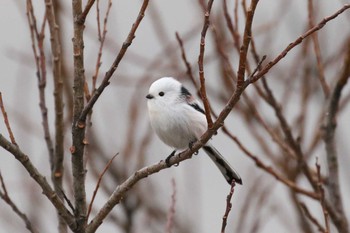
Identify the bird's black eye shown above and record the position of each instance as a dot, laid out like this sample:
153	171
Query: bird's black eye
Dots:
161	93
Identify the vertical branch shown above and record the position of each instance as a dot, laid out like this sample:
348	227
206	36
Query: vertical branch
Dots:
228	207
203	91
332	155
245	45
57	166
78	127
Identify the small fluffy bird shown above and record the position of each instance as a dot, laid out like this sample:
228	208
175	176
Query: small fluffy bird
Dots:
179	120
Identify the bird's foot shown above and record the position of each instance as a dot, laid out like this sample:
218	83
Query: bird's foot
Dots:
167	160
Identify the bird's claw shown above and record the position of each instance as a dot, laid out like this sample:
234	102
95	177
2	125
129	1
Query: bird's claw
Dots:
167	160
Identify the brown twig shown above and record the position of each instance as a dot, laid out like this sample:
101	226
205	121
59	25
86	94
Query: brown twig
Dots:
4	195
98	185
311	218
109	73
203	91
317	50
245	45
83	15
6	120
184	58
322	197
228	207
171	213
300	39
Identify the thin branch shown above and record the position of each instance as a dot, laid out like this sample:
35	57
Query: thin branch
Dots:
40	180
109	73
98	185
311	218
4	195
317	50
203	91
6	120
228	206
320	25
102	39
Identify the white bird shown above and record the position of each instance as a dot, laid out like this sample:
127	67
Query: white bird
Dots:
179	120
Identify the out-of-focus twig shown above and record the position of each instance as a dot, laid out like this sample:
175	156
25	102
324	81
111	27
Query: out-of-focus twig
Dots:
316	43
312	218
228	207
4	195
6	120
171	213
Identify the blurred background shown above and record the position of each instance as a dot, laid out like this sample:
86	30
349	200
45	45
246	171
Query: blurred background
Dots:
119	122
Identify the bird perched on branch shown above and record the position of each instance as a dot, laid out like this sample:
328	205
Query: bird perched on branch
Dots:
179	120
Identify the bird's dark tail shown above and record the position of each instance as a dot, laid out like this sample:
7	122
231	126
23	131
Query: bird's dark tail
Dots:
227	171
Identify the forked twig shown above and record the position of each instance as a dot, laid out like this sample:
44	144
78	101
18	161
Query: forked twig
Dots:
6	120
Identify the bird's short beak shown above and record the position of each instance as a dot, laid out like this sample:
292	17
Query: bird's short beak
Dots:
149	96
